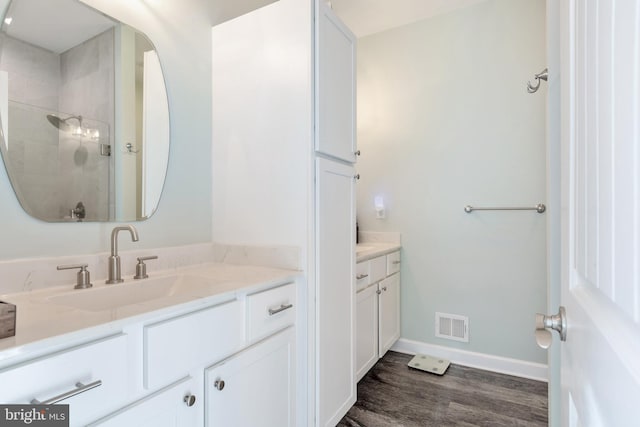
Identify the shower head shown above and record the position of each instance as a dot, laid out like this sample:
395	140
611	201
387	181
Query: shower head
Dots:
62	123
58	122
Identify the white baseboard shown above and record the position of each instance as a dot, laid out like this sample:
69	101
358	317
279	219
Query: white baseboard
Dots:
487	362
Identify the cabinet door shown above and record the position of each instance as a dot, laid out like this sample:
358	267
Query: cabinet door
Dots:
255	387
177	405
335	291
366	330
389	312
335	86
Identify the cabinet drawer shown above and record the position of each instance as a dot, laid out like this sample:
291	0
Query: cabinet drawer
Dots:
393	263
378	269
270	311
363	276
174	346
54	375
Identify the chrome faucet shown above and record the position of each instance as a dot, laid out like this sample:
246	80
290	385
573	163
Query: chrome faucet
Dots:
115	274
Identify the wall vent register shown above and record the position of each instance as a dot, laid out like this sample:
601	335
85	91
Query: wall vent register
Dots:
452	327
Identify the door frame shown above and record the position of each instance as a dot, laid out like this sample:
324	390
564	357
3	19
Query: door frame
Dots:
553	144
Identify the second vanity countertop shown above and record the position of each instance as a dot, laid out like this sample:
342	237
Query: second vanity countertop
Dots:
370	250
42	322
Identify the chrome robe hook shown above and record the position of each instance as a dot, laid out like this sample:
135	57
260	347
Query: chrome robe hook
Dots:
544	75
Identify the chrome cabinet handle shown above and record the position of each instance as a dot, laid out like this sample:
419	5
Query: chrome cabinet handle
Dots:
219	384
396	262
356	176
282	308
361	276
357	153
384	289
80	388
378	292
189	400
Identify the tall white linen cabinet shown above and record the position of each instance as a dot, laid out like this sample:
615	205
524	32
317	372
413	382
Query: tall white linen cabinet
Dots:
283	156
335	149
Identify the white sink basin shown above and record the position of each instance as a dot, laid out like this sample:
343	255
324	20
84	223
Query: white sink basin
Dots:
109	297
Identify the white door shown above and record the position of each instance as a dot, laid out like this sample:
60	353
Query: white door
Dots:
600	212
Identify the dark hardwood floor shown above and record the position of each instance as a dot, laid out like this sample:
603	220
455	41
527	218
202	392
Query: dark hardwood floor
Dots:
393	395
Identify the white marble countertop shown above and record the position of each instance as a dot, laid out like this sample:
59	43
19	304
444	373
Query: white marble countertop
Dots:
368	250
42	325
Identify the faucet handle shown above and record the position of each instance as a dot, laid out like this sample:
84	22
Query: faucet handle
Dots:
83	278
141	267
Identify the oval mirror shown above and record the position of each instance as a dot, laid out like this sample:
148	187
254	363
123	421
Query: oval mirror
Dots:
83	111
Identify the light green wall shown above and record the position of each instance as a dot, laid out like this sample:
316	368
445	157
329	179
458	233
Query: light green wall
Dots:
444	120
181	32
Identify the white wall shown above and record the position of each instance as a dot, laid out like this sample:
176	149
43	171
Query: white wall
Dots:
181	32
262	124
262	147
444	120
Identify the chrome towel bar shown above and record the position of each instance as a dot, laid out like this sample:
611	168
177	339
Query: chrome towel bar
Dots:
540	208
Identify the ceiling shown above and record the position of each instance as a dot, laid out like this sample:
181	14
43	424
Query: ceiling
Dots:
62	24
55	25
366	17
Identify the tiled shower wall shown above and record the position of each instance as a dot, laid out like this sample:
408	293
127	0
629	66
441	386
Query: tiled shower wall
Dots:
86	88
55	169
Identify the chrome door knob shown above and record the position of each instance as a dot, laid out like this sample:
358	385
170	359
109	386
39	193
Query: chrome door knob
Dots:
557	322
189	400
219	384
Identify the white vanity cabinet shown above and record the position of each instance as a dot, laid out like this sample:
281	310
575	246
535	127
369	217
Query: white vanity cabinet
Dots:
255	387
378	311
228	364
150	370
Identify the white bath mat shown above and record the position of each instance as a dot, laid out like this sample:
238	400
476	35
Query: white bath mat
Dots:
433	365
